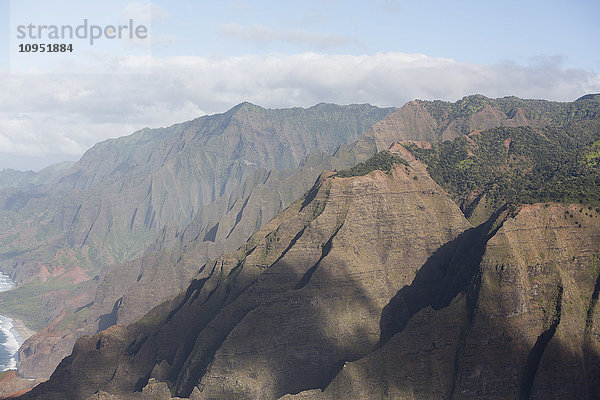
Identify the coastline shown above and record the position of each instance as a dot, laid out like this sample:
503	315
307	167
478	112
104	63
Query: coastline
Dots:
15	333
14	329
21	330
11	382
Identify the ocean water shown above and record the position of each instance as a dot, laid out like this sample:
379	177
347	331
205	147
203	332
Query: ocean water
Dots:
10	341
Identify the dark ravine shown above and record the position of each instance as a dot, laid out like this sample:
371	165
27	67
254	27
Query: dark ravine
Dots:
450	271
591	348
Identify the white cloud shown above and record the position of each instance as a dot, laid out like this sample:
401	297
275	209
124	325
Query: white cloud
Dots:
64	114
164	40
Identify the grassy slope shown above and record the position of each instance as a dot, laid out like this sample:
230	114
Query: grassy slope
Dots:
518	165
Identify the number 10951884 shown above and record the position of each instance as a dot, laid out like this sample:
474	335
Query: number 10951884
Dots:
45	48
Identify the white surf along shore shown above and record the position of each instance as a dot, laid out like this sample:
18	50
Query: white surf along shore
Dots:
14	330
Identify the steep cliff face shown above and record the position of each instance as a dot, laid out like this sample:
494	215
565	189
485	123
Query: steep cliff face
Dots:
236	214
302	297
523	328
364	245
254	187
213	181
123	192
370	287
126	292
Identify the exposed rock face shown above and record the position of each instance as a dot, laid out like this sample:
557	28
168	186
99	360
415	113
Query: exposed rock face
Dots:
124	191
524	330
12	385
434	121
232	217
304	295
127	292
369	245
212	181
371	286
537	289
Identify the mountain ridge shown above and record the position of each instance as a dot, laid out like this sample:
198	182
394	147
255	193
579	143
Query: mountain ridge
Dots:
314	210
473	300
469	114
118	201
12	178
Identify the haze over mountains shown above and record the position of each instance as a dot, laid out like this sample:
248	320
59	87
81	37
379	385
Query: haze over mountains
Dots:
10	178
406	276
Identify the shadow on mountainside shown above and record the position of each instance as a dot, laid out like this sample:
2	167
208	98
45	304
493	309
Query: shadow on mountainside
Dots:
184	347
450	270
217	324
555	356
323	286
287	311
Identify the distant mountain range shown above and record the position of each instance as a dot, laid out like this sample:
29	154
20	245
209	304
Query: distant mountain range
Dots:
456	255
11	178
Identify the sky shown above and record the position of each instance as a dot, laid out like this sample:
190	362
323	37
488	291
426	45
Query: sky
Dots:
204	57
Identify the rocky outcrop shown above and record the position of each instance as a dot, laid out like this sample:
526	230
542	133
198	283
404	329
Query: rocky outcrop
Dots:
371	286
301	298
522	330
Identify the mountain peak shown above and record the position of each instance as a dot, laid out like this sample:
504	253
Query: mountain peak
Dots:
475	96
591	96
247	107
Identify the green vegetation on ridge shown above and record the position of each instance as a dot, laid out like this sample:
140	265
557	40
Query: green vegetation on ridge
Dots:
519	165
382	161
552	112
592	154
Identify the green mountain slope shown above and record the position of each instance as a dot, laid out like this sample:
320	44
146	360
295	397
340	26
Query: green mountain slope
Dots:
518	165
